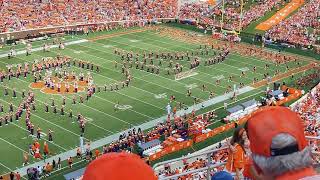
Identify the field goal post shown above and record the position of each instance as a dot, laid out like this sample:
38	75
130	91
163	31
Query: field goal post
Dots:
236	32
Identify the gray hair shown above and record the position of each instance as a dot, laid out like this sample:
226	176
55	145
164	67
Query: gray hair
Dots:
277	165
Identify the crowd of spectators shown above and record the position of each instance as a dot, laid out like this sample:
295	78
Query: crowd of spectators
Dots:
212	16
195	163
309	110
20	15
300	29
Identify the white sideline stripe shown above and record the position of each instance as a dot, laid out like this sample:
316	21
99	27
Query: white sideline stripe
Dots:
189	75
51	46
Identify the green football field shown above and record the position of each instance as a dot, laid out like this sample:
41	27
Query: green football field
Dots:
144	100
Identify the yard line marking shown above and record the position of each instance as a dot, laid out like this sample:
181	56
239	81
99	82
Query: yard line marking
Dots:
44	103
104	112
41	132
100	127
162	48
115	80
134	77
198	41
189	49
177	81
109	139
22	177
210	67
116	103
5	167
230	59
44	119
13	145
268	62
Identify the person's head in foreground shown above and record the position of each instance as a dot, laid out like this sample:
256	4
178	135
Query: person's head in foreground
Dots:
222	175
278	144
119	166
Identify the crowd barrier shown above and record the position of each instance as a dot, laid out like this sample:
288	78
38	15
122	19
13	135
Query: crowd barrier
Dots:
293	94
171	149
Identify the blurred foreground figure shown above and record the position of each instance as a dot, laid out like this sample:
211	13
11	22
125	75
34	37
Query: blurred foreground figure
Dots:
119	166
279	148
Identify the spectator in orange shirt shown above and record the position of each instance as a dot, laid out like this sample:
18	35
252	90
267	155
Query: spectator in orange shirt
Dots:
279	147
237	154
97	153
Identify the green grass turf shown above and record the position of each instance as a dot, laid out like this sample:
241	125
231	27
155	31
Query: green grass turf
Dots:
100	108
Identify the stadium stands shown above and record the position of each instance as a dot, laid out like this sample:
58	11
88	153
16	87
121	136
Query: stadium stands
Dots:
301	29
21	15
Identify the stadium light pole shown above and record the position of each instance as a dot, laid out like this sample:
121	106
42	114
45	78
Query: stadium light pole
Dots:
241	16
221	21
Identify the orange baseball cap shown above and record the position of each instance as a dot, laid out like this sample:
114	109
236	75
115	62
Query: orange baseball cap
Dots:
271	121
119	166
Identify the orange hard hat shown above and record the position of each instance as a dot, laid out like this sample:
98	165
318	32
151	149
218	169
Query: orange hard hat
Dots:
119	166
271	121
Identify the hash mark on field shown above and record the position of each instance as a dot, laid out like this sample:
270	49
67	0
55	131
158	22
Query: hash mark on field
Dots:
160	96
184	77
191	86
244	69
134	40
108	46
122	107
77	52
218	77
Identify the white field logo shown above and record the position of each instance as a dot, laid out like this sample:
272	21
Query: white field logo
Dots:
218	77
160	96
122	107
244	69
191	86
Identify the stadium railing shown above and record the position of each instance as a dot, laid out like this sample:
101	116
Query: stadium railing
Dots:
207	154
208	168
